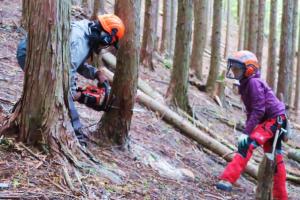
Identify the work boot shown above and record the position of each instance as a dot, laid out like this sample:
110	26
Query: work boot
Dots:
224	185
81	137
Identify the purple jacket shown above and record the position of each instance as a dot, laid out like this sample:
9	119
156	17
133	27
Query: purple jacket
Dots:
260	101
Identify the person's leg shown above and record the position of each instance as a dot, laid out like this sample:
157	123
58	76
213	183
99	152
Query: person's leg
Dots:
21	52
279	186
76	121
234	169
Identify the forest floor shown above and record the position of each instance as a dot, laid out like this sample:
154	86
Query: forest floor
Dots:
160	163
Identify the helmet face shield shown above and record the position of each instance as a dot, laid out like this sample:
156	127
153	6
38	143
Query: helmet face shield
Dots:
235	69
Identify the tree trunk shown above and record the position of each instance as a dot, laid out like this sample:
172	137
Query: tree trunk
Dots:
42	111
297	92
173	27
246	24
261	28
228	25
210	16
285	51
241	25
200	33
215	45
265	179
166	28
272	55
115	124
294	38
149	33
178	87
25	14
253	26
98	8
41	115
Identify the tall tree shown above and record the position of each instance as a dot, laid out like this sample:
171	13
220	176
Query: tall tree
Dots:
178	87
166	28
215	45
241	24
294	38
246	24
260	32
272	55
253	26
200	34
42	113
114	125
285	51
297	92
173	27
228	26
149	33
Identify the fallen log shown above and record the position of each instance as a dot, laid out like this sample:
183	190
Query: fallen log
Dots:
294	154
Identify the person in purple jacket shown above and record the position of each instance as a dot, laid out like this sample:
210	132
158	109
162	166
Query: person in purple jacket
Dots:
264	112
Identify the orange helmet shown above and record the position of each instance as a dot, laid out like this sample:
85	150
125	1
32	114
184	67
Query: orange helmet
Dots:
113	25
242	64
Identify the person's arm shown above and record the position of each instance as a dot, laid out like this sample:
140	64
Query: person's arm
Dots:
257	96
87	71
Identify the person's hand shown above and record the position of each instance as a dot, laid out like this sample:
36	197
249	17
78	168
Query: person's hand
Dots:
243	141
101	77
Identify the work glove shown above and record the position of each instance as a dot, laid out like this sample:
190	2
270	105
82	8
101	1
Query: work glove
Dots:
243	141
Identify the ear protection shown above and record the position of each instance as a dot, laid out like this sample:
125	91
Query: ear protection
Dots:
250	70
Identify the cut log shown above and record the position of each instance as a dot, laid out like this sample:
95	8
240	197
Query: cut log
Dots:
265	179
294	154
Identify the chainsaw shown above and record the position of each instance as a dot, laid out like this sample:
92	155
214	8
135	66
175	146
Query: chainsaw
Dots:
95	97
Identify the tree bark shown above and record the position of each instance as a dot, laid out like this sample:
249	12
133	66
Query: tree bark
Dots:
265	179
25	14
98	8
200	33
173	27
272	52
215	44
285	51
41	115
115	124
241	25
294	39
228	25
178	87
253	26
246	24
297	92
166	28
149	33
261	30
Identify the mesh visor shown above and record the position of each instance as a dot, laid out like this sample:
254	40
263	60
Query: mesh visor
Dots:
235	69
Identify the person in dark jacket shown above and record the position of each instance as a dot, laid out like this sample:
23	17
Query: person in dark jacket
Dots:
263	112
86	37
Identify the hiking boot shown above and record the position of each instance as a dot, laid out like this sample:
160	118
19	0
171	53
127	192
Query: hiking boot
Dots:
224	185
